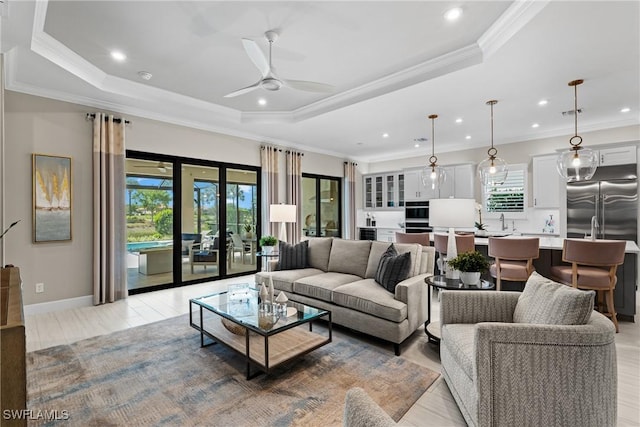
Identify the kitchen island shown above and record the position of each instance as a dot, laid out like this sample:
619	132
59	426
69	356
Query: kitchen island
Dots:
627	273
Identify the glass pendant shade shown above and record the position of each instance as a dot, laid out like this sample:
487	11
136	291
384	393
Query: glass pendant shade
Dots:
493	171
577	165
433	177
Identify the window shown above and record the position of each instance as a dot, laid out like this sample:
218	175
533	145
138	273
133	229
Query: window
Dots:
321	206
509	197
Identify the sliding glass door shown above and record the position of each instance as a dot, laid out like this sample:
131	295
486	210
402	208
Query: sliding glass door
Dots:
322	206
189	220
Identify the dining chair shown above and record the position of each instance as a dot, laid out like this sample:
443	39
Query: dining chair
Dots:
593	267
513	258
464	243
421	238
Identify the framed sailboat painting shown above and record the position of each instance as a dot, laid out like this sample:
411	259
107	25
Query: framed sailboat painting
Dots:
51	198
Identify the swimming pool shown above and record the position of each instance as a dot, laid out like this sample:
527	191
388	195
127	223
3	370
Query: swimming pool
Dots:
137	246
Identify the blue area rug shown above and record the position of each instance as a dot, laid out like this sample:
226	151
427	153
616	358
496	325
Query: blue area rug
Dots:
157	374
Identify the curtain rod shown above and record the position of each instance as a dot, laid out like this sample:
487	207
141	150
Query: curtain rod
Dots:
92	116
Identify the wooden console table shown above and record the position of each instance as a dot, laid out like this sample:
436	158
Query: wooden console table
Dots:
13	367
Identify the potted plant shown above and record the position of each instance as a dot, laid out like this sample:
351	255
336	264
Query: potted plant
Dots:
482	228
267	243
470	264
247	230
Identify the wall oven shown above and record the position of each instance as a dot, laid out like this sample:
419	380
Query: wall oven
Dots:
416	217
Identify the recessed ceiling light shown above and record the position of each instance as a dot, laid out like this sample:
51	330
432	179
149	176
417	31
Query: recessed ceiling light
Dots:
385	135
458	120
535	125
467	137
262	101
118	56
145	75
453	14
543	102
416	145
625	110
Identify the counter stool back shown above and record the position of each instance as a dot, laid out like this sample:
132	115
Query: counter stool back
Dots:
513	258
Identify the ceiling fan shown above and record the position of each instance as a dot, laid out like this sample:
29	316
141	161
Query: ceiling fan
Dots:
270	80
161	167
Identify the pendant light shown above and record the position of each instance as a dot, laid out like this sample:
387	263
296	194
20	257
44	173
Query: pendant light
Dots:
433	176
577	163
493	170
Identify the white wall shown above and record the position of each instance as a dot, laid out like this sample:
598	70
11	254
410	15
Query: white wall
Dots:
40	125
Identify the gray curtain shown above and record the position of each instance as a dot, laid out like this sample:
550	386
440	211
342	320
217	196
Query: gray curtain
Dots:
350	200
269	162
109	246
294	193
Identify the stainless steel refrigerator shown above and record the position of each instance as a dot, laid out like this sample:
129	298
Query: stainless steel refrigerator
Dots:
611	196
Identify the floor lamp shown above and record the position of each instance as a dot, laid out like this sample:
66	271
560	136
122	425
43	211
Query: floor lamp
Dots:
283	213
451	214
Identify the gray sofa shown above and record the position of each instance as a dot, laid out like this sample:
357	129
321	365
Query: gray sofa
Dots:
531	359
340	278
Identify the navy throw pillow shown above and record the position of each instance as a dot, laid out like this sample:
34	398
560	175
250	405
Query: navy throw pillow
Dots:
393	268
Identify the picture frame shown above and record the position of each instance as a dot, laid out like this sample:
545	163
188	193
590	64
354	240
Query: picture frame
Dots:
52	196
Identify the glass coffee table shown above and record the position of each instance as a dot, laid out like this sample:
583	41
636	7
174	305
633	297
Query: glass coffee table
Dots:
267	339
432	329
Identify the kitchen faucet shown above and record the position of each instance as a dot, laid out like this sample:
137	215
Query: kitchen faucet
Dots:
594	226
504	227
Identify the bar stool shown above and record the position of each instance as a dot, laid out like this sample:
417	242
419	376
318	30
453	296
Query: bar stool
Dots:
421	238
464	243
593	267
513	258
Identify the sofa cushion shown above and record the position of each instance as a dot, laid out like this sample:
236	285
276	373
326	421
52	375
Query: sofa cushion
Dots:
393	268
369	297
379	248
321	286
283	279
349	256
318	253
544	301
460	338
292	256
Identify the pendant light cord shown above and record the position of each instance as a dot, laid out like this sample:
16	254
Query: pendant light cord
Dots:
575	145
433	159
492	151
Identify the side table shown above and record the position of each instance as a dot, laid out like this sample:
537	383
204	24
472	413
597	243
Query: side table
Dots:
266	257
432	329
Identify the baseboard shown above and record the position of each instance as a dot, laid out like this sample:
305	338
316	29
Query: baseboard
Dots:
63	304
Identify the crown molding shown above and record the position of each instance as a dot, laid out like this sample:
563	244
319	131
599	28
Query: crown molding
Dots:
508	24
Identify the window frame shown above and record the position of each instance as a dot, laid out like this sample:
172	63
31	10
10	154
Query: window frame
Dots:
525	196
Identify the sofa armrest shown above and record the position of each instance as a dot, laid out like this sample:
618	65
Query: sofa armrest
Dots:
522	370
477	306
413	292
361	411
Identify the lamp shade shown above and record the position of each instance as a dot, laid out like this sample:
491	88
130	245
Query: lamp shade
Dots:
282	213
452	213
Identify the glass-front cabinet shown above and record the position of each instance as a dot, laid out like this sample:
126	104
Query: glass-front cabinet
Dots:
384	191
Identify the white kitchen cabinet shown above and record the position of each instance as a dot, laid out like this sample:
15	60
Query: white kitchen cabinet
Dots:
546	182
618	156
383	191
459	183
414	189
387	234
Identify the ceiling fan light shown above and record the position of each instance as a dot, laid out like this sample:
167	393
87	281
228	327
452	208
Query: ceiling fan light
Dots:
270	83
577	165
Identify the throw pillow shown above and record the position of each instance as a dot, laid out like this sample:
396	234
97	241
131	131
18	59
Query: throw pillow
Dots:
292	256
544	301
393	268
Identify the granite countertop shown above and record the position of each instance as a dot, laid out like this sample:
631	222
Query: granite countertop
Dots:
556	243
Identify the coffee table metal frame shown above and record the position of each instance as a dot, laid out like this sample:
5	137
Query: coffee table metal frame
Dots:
304	341
432	329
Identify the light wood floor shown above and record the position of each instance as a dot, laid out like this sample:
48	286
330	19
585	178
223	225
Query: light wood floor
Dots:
435	408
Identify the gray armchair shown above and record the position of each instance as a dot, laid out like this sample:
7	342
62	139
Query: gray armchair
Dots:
503	371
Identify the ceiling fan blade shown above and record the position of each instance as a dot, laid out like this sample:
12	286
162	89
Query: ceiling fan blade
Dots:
309	86
256	56
244	90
